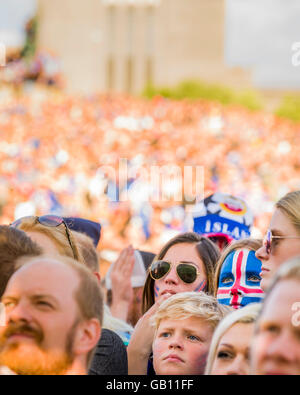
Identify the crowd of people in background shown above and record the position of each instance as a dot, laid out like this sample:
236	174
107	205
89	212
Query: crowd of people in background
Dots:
42	171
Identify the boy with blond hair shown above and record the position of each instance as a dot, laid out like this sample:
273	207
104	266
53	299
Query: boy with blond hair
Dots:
184	324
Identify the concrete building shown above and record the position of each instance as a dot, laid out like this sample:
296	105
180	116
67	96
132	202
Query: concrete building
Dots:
121	45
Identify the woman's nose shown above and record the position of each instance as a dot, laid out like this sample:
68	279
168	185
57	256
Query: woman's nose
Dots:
262	254
239	366
171	277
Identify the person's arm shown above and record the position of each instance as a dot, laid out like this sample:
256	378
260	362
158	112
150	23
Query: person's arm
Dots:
122	291
140	345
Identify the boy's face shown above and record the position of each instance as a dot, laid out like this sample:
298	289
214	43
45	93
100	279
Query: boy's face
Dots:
181	347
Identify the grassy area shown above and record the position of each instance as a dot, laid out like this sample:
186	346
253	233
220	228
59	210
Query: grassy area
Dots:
288	109
212	92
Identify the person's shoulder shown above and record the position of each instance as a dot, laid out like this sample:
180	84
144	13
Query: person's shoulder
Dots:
110	356
108	337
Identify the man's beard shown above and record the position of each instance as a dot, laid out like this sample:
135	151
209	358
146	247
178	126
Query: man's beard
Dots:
28	359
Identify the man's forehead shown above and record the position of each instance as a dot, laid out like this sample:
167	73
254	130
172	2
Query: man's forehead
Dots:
44	275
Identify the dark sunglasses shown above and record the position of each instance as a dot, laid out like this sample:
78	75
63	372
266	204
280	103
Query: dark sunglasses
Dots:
268	239
51	221
187	272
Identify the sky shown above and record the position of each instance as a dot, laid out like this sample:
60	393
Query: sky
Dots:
13	17
260	35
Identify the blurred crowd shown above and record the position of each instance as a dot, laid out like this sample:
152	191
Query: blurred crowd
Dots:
57	152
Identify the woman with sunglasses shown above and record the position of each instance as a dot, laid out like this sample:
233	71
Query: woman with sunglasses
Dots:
282	240
186	263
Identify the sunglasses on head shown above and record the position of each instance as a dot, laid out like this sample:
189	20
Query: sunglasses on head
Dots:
187	272
268	239
51	221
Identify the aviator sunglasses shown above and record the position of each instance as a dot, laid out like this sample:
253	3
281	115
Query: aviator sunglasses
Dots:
187	272
51	221
268	239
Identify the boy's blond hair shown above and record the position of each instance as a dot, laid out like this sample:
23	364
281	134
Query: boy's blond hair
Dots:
191	304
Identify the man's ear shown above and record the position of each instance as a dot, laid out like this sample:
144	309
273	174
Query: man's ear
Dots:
87	337
97	274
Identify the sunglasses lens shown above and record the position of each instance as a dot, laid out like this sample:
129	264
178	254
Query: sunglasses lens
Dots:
187	273
50	220
159	269
268	240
